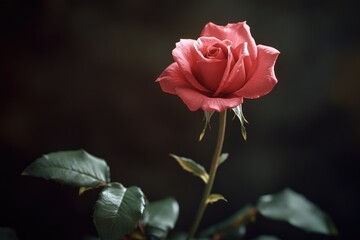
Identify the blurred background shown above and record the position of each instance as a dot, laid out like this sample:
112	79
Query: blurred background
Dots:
80	74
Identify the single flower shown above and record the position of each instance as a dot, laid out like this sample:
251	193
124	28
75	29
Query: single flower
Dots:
219	69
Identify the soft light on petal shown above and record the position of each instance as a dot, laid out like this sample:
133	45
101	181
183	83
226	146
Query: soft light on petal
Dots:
171	78
219	69
202	46
209	71
209	74
263	78
186	55
237	33
237	76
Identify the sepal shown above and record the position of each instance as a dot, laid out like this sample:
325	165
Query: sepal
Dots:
207	117
239	113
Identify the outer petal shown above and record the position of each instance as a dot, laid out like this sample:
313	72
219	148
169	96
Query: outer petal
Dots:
186	55
196	100
236	32
171	78
263	78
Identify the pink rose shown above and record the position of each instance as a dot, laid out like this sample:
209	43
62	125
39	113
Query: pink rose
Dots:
219	69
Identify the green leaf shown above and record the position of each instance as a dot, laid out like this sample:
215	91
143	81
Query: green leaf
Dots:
233	227
223	158
266	237
77	168
295	209
239	113
160	217
118	211
214	198
193	167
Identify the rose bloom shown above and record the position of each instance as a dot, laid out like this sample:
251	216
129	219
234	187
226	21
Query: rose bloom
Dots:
219	69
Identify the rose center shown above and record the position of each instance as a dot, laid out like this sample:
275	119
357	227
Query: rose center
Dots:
212	53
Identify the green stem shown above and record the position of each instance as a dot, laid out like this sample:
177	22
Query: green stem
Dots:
212	174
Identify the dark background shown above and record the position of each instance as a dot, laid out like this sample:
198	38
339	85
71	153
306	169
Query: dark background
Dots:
80	74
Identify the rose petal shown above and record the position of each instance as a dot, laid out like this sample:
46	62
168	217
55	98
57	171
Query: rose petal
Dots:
186	55
196	100
236	78
229	65
209	71
209	74
171	78
263	78
202	45
237	33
